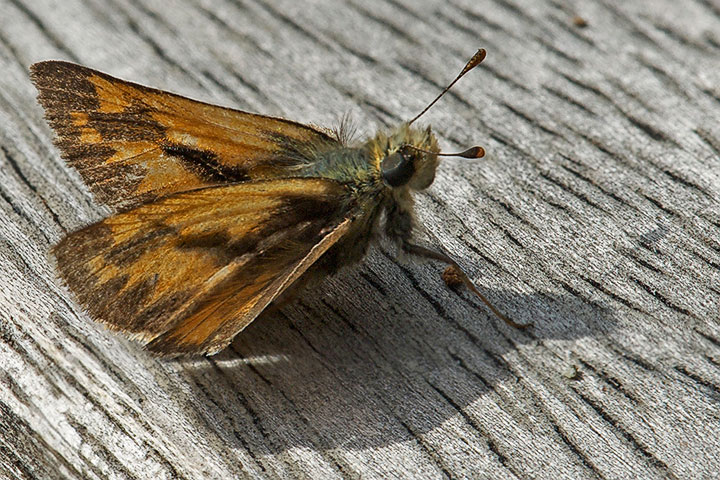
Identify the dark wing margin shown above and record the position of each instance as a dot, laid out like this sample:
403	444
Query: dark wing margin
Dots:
133	144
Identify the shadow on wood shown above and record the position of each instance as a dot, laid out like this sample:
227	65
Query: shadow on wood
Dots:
305	356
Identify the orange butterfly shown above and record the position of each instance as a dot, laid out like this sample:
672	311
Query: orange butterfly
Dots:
220	212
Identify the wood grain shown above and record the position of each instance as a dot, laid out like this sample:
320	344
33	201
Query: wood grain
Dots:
595	215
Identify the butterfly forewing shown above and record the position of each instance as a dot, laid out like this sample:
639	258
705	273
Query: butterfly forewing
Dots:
187	272
133	144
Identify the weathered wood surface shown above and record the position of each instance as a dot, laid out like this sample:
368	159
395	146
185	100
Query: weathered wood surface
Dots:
596	216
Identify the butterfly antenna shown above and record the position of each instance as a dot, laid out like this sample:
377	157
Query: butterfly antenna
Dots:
472	152
472	63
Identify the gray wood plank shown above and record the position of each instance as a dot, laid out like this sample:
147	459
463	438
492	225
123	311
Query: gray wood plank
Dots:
595	216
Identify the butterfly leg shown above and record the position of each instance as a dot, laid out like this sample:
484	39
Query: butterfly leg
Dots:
454	275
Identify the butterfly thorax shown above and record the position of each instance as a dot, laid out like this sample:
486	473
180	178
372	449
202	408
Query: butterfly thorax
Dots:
381	173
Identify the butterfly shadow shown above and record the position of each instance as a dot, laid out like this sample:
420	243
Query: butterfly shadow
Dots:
369	361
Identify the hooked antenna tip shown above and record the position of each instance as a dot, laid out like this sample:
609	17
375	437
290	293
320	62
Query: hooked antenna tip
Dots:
475	60
473	152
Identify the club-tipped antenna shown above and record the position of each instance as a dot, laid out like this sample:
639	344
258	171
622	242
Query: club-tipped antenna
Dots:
472	152
472	63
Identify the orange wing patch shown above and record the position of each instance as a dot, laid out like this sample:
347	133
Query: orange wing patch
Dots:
208	329
134	144
189	271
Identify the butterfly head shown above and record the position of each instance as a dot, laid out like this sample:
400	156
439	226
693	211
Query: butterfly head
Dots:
410	156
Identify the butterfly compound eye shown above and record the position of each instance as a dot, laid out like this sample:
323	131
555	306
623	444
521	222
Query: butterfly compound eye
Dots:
398	168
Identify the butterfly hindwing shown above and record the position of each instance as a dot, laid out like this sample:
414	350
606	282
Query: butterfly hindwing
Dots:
205	330
187	272
134	144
